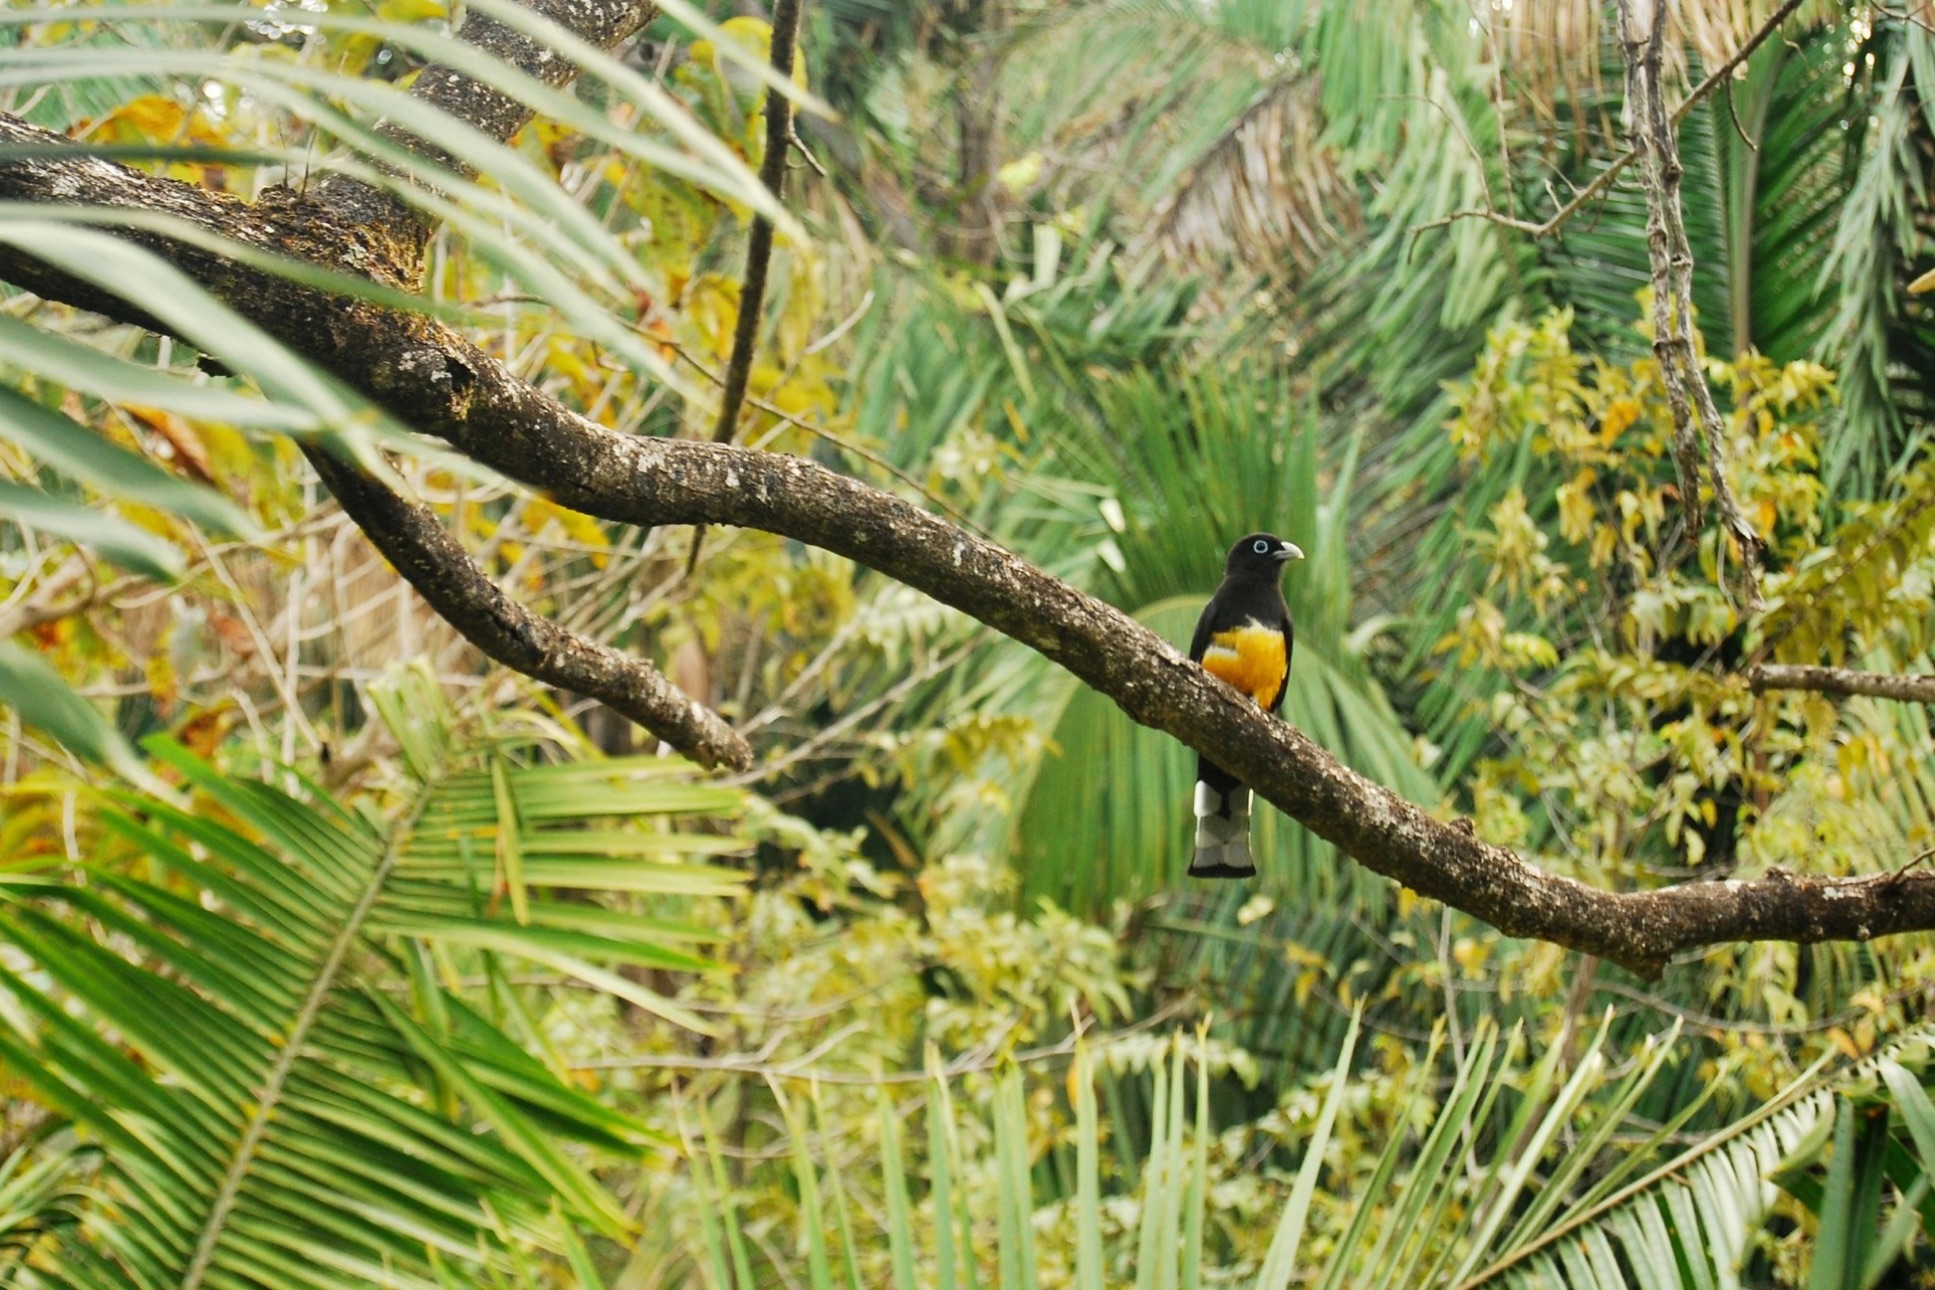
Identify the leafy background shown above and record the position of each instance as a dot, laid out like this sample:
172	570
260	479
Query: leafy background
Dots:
334	956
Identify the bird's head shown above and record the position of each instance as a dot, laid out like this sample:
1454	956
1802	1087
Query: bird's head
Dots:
1261	555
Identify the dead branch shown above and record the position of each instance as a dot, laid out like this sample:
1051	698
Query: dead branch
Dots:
1687	391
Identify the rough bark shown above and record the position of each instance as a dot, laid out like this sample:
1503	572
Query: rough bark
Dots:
1841	680
1687	391
415	541
435	380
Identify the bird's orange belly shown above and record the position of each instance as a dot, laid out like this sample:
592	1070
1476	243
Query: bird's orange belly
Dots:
1251	658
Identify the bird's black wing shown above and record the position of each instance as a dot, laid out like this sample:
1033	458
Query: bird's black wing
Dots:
1289	639
1206	626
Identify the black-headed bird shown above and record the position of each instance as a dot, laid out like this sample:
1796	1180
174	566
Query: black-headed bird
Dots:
1243	638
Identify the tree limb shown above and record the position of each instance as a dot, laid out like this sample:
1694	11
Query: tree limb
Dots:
1687	391
437	381
416	543
1841	680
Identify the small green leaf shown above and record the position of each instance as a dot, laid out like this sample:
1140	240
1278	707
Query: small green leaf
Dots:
32	688
75	450
131	547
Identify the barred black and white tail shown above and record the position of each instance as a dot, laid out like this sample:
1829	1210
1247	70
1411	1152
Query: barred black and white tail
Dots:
1222	826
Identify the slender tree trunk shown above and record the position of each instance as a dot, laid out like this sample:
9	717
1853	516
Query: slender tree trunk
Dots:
976	236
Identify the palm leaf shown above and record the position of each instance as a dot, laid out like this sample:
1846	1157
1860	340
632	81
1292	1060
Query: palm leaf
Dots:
269	1113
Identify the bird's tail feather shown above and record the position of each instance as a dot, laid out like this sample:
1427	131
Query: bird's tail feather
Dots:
1222	831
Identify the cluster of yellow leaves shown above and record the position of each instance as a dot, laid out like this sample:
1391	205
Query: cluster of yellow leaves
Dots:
1873	587
165	120
1609	428
1611	742
685	239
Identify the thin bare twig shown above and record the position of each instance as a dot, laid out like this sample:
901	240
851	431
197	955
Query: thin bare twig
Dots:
759	243
1733	114
982	1057
1713	81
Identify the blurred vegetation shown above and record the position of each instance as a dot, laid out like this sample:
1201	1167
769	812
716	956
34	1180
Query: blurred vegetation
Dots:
331	955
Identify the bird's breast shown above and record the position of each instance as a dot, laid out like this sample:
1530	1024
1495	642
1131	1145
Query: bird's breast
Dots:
1251	658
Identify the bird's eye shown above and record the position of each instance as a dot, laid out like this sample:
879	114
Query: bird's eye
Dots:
1260	547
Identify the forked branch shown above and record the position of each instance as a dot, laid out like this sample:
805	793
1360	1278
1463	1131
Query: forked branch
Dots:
1712	81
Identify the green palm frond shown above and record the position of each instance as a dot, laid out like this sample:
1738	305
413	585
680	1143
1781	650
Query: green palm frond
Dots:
1783	195
1878	343
1242	202
1514	1167
43	1192
266	1035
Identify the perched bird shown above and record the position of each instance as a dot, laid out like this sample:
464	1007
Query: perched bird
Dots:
1243	638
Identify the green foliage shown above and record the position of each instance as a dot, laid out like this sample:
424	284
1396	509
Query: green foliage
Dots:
253	1007
1214	307
1618	722
1501	1170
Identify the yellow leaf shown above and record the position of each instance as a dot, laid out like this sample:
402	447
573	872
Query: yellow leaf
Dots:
412	10
1575	505
1020	174
1620	413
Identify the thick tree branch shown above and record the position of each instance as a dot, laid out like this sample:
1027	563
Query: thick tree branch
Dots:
434	563
441	384
1841	680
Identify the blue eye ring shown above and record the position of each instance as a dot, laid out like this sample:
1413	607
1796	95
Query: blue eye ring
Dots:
1260	547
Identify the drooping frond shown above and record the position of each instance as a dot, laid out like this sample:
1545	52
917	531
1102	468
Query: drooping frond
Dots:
1266	195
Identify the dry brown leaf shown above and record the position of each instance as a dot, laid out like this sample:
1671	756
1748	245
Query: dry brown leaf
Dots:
190	453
